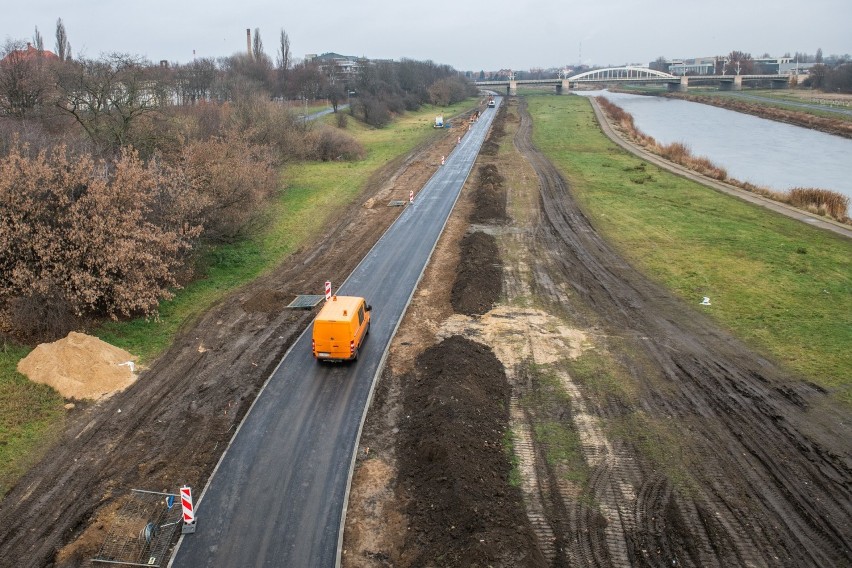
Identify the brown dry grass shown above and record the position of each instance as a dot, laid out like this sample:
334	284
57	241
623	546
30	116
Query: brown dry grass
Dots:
822	202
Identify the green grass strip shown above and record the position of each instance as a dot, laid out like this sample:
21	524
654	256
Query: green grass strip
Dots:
783	287
29	413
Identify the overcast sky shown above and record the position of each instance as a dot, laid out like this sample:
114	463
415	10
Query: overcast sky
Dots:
468	35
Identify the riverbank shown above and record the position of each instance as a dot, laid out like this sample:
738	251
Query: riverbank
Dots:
835	125
824	203
778	284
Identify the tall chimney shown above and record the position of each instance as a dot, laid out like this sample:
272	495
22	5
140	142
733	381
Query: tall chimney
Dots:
248	40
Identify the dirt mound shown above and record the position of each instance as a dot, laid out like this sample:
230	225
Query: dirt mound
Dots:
479	278
80	366
463	511
489	196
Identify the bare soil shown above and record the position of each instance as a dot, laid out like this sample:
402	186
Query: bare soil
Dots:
79	367
642	434
454	472
587	418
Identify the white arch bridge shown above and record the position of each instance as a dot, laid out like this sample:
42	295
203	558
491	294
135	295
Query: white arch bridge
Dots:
638	75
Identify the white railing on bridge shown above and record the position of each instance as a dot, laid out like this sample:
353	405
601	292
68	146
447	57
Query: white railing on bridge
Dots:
621	73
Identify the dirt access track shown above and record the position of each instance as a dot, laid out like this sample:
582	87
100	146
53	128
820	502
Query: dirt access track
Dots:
643	435
640	433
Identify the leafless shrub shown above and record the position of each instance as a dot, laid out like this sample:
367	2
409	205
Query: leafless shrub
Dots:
265	123
330	144
342	120
228	180
41	315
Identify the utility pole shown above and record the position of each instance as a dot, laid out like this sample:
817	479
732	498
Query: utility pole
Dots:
248	41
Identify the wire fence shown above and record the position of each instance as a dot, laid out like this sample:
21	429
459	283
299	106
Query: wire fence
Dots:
142	529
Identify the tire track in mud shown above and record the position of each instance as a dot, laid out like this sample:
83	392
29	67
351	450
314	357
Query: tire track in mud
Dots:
532	486
773	486
584	534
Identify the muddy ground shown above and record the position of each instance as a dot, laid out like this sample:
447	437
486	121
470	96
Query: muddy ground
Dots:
171	426
574	415
641	434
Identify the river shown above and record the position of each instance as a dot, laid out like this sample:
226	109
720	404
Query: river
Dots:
763	152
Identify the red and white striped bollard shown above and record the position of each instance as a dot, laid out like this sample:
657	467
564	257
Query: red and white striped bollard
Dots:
188	512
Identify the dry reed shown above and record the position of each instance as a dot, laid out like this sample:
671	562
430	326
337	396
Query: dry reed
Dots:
819	201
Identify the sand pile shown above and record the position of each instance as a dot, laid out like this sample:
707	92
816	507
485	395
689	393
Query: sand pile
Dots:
80	366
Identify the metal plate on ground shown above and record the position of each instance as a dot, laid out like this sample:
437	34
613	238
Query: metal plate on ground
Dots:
396	203
306	301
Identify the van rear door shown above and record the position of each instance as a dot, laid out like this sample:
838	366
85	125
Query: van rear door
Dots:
331	340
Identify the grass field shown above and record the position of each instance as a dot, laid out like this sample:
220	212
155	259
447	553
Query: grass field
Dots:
782	286
310	194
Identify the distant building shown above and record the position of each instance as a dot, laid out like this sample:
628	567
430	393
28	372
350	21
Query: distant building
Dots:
780	66
710	65
28	54
347	65
696	66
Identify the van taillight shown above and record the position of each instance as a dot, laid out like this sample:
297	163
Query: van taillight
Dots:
314	346
351	347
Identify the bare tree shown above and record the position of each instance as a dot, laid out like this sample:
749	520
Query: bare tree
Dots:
740	63
24	80
63	49
818	57
257	46
38	40
284	52
196	80
107	96
335	94
308	81
660	64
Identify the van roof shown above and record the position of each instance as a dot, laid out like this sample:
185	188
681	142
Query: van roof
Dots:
340	308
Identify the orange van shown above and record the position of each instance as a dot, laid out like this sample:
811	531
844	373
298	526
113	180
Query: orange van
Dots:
340	328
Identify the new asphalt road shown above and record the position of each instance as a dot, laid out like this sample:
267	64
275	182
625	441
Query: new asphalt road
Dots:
278	495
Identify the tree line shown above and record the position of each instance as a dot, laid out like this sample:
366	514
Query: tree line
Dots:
117	173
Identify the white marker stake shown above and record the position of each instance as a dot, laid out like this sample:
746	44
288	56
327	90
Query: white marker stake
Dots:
327	290
411	196
442	160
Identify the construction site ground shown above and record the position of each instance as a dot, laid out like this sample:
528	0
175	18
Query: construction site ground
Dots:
633	431
543	404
